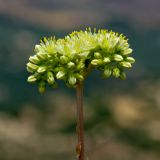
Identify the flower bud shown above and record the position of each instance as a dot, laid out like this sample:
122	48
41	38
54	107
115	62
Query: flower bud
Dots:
116	72
122	75
84	54
34	59
37	47
97	55
70	65
130	59
118	57
126	64
63	59
31	67
42	87
42	55
57	69
31	79
60	75
72	80
107	73
127	51
96	62
80	65
79	77
41	69
106	60
50	78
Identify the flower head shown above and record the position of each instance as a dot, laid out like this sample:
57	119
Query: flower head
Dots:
71	58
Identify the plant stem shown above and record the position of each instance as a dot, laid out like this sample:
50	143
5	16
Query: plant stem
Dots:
80	129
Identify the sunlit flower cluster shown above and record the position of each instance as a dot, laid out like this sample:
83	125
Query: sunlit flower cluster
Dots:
73	57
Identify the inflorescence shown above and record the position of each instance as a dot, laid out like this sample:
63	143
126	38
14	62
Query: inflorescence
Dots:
73	57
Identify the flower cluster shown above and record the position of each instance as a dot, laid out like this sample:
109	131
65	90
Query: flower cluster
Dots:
73	57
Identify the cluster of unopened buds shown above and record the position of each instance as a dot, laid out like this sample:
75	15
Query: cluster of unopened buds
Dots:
73	57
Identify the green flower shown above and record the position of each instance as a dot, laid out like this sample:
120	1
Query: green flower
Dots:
71	58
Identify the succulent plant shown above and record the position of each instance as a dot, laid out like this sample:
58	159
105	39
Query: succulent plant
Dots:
72	58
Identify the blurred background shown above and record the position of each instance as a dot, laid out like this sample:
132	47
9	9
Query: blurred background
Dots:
122	118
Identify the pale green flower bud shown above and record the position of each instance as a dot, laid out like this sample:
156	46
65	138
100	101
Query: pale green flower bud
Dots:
37	47
70	65
106	60
79	77
127	51
57	69
107	73
130	59
60	75
50	78
31	79
116	72
31	67
63	59
123	75
42	69
96	62
72	80
34	59
80	65
126	64
118	57
42	55
97	55
84	54
42	87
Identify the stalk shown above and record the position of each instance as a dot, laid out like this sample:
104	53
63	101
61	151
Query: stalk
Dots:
80	128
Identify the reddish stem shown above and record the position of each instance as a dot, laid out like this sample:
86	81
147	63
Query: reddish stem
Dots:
80	129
